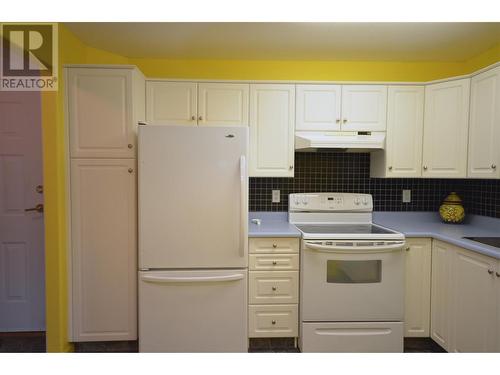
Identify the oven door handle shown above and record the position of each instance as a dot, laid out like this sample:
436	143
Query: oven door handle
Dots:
357	249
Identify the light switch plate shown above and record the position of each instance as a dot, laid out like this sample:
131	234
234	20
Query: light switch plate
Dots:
406	196
276	196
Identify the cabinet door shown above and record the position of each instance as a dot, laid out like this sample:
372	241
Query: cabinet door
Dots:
103	250
223	104
318	107
445	129
100	113
418	287
484	128
405	121
474	302
171	103
441	290
364	107
272	110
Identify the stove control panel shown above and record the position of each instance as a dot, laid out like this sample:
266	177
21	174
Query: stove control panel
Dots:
342	202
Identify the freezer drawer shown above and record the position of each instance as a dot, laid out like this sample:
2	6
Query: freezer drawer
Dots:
370	337
273	321
193	311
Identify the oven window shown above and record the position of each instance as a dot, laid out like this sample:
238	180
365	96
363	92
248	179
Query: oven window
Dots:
353	271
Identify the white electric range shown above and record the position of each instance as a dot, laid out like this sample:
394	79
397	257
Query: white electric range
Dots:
351	275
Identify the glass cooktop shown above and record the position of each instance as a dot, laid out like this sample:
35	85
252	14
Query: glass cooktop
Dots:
346	229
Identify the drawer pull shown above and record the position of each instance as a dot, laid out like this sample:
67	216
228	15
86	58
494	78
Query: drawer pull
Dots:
274	288
275	245
274	263
273	322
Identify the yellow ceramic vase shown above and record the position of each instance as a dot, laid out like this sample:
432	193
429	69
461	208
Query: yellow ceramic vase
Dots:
452	211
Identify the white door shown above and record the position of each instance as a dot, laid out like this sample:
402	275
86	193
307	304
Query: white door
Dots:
171	103
441	290
474	302
364	107
446	123
223	104
418	287
484	128
318	107
22	267
100	113
104	250
405	122
193	311
193	197
272	120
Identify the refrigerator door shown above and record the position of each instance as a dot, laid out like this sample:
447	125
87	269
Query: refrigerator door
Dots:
193	197
193	311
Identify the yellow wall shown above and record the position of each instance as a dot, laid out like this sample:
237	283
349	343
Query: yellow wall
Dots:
73	51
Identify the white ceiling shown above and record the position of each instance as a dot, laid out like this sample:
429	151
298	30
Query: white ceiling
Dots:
292	41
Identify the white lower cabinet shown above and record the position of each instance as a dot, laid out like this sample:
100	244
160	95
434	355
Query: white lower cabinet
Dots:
474	302
418	287
103	304
273	290
465	299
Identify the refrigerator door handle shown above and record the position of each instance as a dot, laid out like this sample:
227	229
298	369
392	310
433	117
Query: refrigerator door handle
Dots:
191	279
243	207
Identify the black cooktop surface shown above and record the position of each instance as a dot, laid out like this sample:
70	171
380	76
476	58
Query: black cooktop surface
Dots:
492	241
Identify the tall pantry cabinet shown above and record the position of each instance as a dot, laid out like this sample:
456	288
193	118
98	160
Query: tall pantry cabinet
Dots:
103	108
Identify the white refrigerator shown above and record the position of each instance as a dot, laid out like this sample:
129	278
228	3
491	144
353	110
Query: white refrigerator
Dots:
193	212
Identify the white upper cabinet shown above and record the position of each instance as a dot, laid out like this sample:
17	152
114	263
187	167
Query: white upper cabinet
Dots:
272	120
484	128
223	104
418	287
405	121
364	107
474	307
171	103
445	129
103	108
318	107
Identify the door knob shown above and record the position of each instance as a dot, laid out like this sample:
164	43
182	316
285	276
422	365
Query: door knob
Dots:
37	208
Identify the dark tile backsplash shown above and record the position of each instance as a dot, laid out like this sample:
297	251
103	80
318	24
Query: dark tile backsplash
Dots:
328	171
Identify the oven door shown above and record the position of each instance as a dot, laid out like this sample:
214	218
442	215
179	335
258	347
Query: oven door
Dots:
352	281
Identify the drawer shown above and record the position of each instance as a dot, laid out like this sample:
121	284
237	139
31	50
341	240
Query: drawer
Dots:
273	245
273	321
273	287
280	262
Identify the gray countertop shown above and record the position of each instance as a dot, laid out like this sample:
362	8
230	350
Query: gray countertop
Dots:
412	224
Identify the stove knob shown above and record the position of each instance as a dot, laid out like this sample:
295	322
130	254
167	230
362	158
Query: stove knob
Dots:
296	200
365	201
304	200
357	201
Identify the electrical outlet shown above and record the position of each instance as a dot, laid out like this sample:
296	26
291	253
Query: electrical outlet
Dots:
276	196
406	196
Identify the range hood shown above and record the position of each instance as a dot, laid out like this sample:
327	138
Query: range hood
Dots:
355	141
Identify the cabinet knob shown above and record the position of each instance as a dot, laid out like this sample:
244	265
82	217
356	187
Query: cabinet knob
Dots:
390	168
337	121
344	121
407	248
273	322
200	118
193	117
130	145
490	272
274	263
498	274
274	288
493	166
290	167
275	245
425	167
130	170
